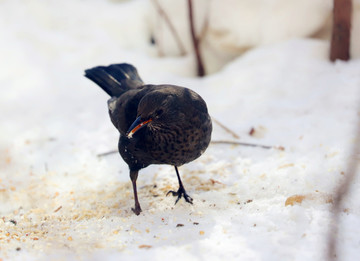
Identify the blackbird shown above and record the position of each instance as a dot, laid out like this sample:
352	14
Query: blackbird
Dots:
158	124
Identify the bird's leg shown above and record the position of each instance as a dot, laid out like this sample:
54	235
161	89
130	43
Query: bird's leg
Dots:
133	177
181	191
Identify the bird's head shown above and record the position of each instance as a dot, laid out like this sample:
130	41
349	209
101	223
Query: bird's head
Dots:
156	110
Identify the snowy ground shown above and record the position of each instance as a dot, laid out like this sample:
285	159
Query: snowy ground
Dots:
59	200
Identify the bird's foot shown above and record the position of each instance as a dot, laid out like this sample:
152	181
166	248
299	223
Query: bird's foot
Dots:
137	210
181	193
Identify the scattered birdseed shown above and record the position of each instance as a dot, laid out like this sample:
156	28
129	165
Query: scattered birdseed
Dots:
56	210
145	246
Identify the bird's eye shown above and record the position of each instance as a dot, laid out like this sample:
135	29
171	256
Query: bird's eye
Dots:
159	112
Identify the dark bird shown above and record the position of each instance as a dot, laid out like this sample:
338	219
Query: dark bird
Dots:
158	124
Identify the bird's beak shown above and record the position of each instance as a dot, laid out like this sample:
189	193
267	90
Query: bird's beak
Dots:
135	126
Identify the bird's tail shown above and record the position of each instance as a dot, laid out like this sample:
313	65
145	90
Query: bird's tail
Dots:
115	79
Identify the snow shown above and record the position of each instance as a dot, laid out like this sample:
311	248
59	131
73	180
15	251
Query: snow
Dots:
60	200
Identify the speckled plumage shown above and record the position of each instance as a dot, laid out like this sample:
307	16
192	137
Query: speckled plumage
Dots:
178	126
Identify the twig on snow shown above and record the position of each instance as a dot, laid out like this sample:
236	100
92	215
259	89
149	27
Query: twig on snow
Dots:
247	144
226	128
106	153
214	142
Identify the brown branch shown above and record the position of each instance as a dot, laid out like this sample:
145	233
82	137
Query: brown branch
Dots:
226	142
195	41
340	39
226	128
341	193
246	144
167	20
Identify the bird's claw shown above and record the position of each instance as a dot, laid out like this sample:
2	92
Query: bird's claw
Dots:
137	210
180	193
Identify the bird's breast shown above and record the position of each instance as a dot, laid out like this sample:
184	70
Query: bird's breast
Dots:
177	145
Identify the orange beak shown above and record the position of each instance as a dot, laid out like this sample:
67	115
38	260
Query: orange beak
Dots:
136	125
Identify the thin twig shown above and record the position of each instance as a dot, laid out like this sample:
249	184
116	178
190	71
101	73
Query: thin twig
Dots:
106	153
215	142
341	193
247	144
226	128
195	41
167	20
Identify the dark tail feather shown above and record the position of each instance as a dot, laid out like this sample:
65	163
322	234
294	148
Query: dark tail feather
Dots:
115	79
